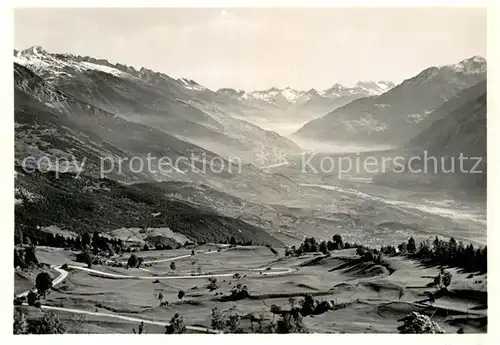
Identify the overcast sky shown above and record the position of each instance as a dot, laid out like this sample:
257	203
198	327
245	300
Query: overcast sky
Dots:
260	48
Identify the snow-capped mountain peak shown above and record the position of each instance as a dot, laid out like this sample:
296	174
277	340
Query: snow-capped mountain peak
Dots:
473	65
35	50
190	84
51	66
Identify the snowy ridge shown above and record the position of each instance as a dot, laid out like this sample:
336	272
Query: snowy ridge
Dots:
473	65
51	66
292	96
191	84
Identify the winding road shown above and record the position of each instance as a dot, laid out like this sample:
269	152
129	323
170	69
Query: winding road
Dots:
63	274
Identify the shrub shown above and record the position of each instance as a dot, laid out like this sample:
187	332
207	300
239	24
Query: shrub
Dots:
30	256
308	305
32	297
239	292
85	257
232	323
18	259
19	300
213	284
323	247
140	260
360	251
20	323
176	325
140	330
275	309
291	322
274	251
337	239
48	324
181	294
43	283
443	279
217	319
446	278
132	261
411	247
416	323
75	325
323	307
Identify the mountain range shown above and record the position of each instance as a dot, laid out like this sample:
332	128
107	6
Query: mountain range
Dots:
458	130
179	107
88	109
401	112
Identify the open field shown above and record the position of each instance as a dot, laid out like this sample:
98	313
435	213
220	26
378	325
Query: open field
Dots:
368	297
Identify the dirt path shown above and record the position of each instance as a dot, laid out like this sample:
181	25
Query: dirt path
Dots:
124	276
126	318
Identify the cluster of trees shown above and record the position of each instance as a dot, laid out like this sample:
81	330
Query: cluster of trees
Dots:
176	325
232	241
48	324
89	259
96	243
439	252
310	245
289	321
43	285
453	254
134	261
238	292
310	306
416	323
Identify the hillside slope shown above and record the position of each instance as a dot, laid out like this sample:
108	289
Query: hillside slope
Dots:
181	108
396	115
461	133
88	204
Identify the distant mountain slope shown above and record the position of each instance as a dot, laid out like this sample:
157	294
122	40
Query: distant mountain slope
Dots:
394	116
182	107
461	132
459	125
53	124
